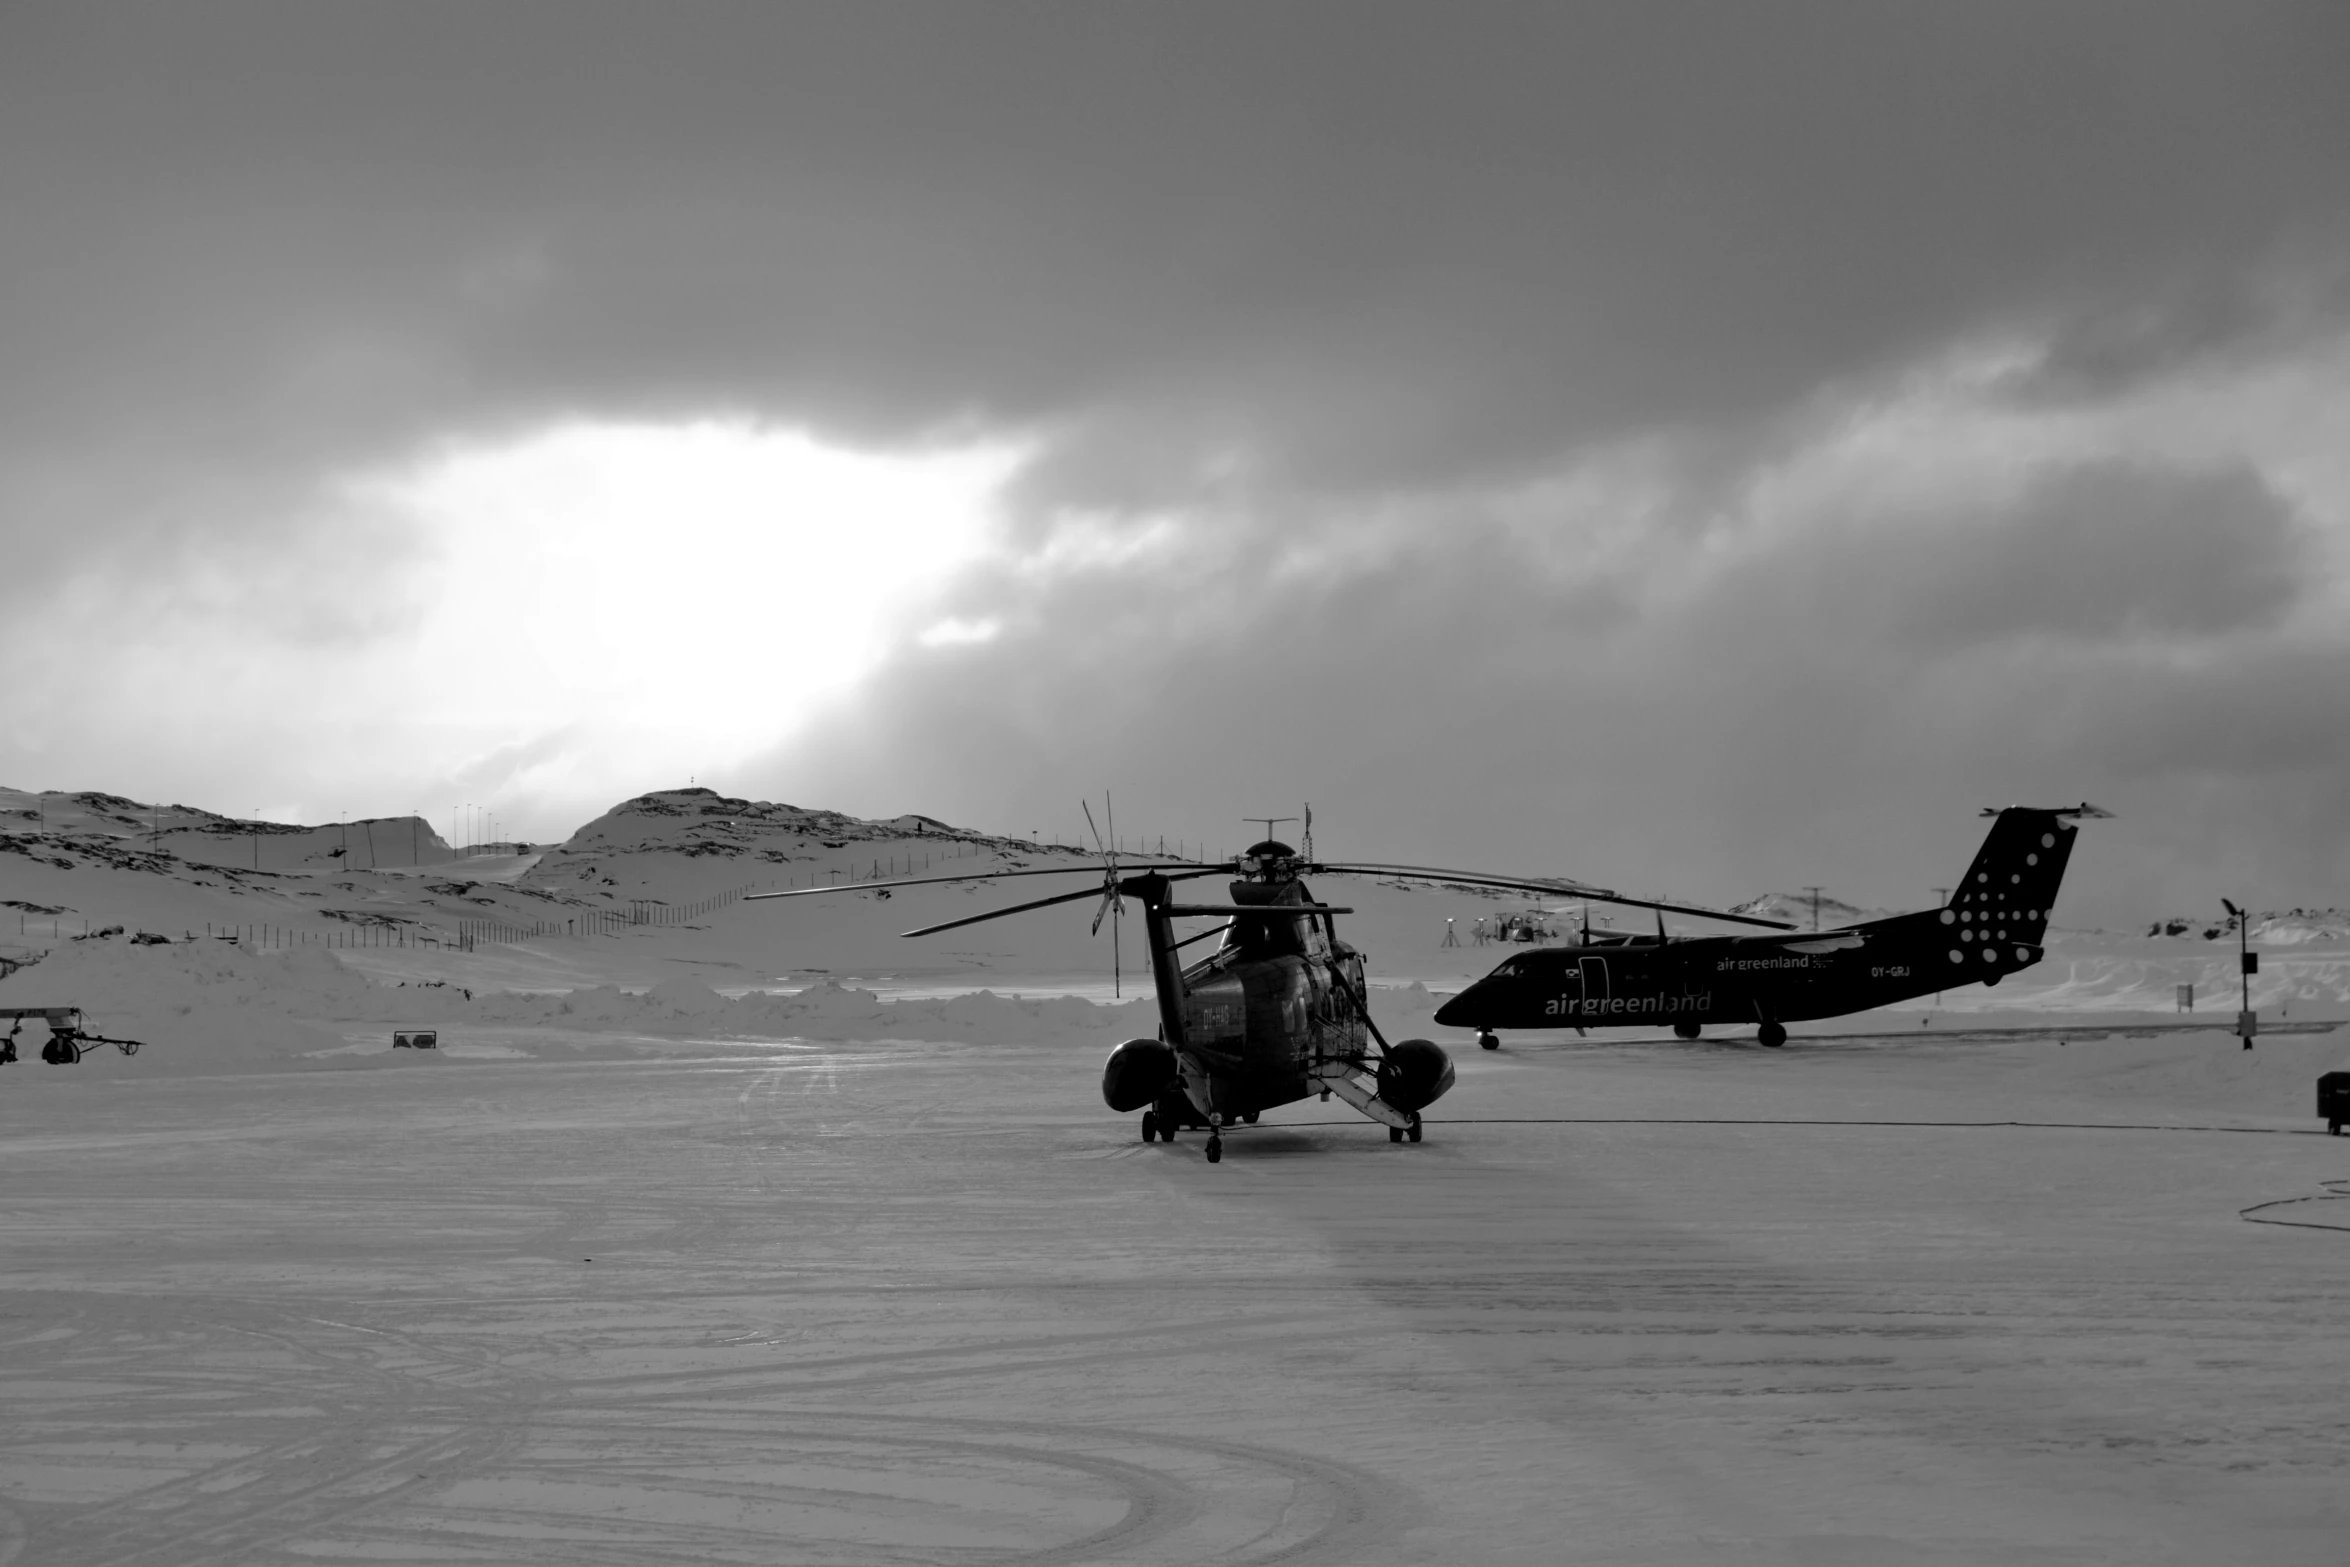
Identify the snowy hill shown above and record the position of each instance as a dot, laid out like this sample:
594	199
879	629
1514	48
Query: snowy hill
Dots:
1802	911
114	828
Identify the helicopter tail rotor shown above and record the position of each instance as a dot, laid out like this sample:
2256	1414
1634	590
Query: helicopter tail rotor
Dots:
1113	904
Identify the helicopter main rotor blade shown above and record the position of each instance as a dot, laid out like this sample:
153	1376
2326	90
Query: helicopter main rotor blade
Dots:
1555	885
997	914
1186	873
1188	867
1220	910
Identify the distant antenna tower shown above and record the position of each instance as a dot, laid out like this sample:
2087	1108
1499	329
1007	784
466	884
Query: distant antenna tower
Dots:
1815	906
1309	846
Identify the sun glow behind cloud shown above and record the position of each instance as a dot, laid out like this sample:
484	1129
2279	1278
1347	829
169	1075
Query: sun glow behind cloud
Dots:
669	597
682	580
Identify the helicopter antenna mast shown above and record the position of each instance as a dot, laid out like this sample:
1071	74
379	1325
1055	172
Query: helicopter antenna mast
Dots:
1268	822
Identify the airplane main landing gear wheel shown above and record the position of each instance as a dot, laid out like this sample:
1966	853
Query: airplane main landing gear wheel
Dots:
1684	1030
1414	1133
1250	1116
1150	1126
1215	1149
1487	1039
1771	1035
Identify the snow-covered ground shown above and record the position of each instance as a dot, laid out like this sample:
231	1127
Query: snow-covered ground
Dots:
682	1249
665	1297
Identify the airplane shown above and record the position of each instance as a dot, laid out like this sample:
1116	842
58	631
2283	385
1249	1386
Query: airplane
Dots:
1992	927
1277	1011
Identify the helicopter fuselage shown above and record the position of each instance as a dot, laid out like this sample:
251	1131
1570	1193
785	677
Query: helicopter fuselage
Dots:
1254	1028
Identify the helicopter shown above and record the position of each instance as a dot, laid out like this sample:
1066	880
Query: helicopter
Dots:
1992	927
1278	1010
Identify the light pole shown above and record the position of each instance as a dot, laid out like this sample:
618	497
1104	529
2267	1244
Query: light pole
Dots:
2248	962
1815	906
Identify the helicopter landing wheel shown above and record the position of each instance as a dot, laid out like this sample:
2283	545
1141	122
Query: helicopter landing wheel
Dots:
1487	1039
1150	1126
1414	1133
1395	1134
1215	1150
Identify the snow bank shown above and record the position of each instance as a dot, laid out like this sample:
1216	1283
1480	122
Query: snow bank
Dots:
211	1006
202	1006
828	1011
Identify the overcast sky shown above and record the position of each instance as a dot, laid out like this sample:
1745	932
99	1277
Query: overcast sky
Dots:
1706	449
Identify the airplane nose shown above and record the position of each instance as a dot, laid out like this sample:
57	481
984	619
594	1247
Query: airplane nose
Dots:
1461	1011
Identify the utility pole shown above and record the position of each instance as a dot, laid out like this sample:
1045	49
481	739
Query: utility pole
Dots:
1815	906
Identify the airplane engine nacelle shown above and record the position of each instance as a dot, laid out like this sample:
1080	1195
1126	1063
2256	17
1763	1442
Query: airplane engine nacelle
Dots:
1415	1074
1137	1073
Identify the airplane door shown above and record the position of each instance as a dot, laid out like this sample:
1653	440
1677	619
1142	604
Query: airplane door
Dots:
1595	991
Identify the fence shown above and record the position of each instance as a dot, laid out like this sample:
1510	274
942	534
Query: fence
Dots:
255	935
641	912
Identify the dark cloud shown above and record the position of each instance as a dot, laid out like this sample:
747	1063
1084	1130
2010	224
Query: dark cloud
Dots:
2110	552
1483	694
1372	245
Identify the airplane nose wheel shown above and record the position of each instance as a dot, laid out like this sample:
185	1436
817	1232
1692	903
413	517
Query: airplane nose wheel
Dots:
1215	1149
1771	1036
1487	1039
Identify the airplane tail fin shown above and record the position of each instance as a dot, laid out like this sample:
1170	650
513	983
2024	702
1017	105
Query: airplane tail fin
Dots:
2015	875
